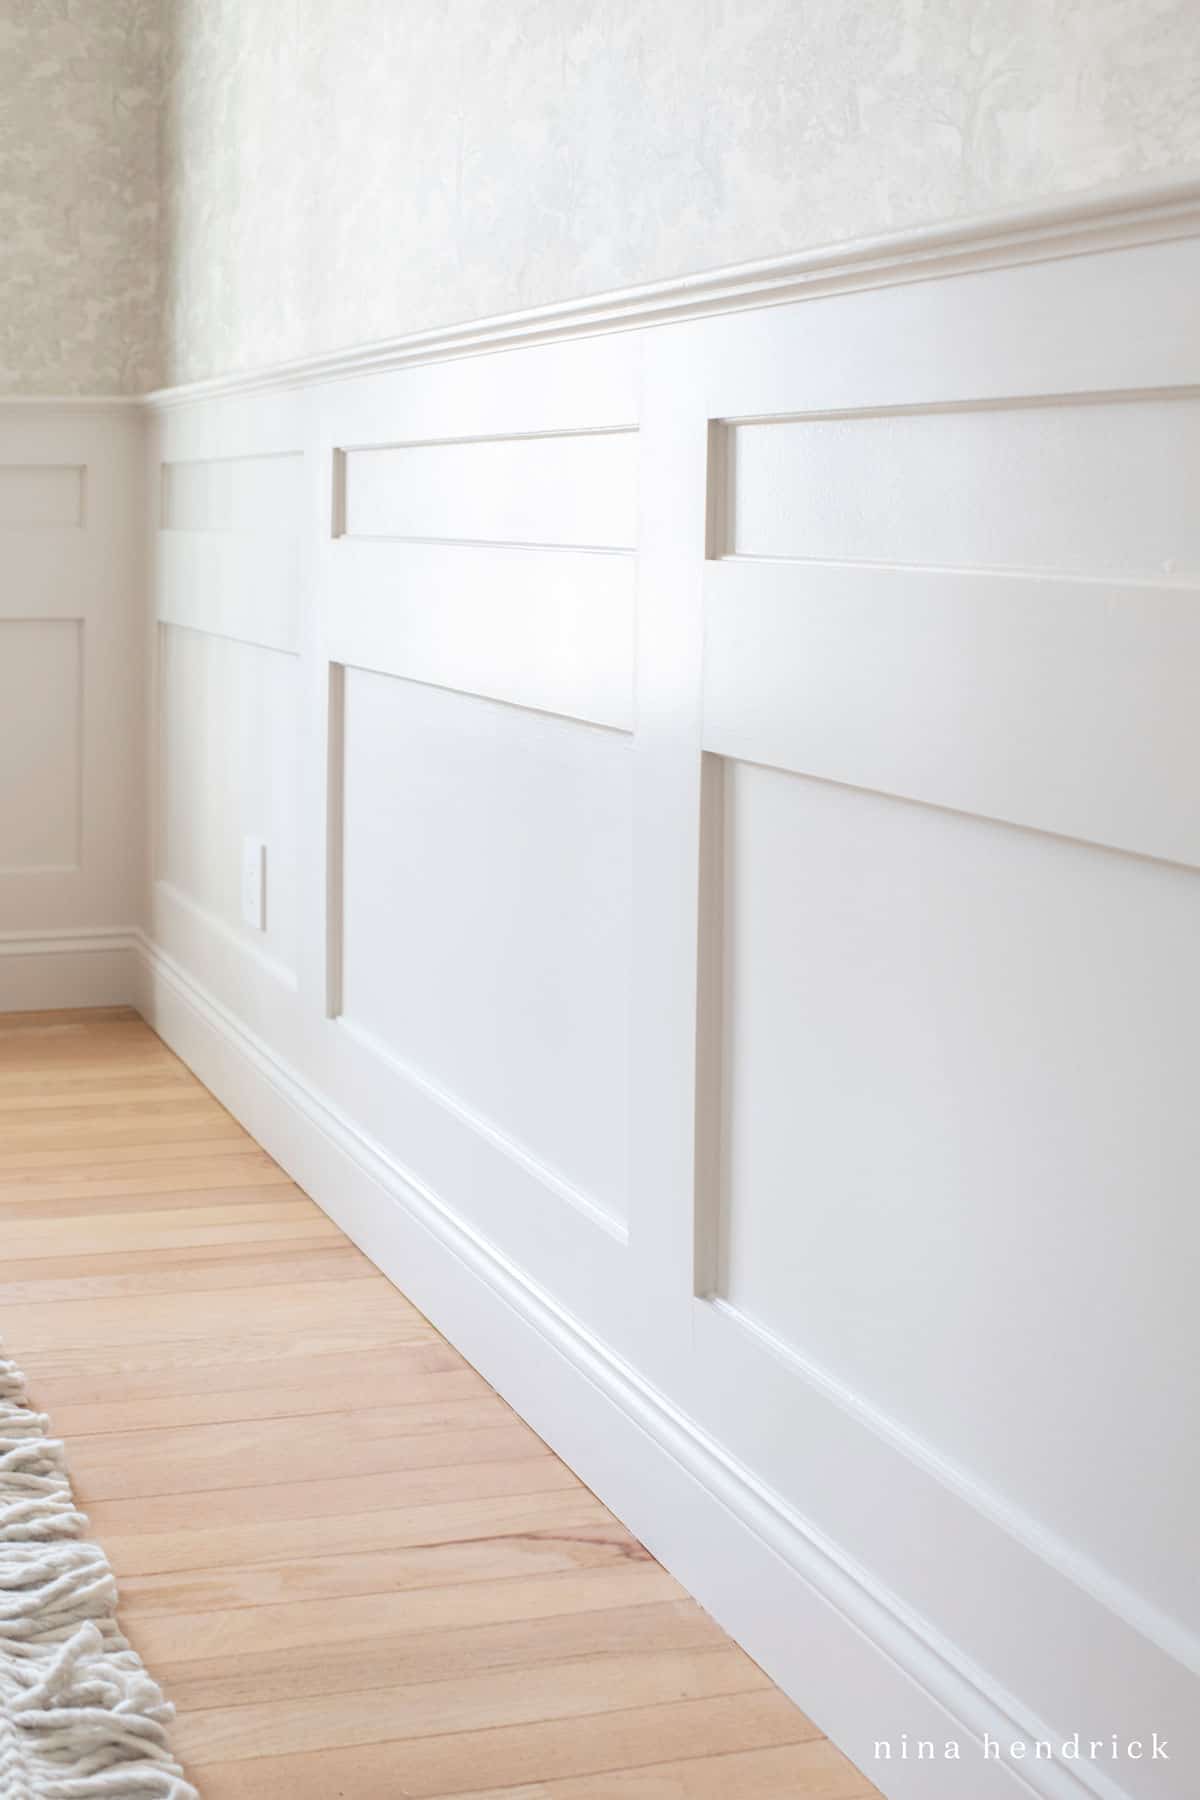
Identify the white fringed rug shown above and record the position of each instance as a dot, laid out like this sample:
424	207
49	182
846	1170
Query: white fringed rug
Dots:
80	1719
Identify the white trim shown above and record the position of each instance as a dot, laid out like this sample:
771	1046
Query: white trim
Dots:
531	1165
1082	1571
85	941
1112	216
47	970
165	890
854	1655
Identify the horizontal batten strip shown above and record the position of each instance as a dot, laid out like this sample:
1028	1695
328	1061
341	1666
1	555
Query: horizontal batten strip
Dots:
1067	706
548	630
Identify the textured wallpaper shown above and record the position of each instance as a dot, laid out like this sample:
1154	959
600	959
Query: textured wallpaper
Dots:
335	171
79	111
341	172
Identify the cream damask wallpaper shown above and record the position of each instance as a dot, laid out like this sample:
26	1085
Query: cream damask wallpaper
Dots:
334	171
339	172
79	113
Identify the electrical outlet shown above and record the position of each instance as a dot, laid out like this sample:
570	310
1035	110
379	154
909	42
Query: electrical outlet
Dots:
254	883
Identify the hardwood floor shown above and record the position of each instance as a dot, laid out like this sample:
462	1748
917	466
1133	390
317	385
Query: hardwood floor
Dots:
357	1573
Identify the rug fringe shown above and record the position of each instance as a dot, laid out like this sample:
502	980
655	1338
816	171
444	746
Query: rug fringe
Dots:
80	1718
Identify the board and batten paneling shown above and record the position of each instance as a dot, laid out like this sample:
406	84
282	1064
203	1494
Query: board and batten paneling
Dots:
742	809
71	691
1014	1175
41	667
41	495
228	730
478	593
950	655
227	548
486	908
228	493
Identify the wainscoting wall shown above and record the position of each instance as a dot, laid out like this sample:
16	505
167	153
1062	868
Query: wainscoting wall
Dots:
722	797
72	689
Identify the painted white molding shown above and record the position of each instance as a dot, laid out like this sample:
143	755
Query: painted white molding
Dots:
48	970
1106	217
1116	215
838	1642
802	1383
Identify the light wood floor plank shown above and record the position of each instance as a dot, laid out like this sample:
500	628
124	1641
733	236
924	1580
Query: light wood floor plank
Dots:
322	1394
812	1771
428	1654
220	1368
359	1573
264	1560
511	1754
464	1703
199	1270
481	1583
139	1169
170	1318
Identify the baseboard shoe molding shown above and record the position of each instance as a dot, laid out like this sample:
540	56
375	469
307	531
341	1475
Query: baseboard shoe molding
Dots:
48	970
845	1649
1113	216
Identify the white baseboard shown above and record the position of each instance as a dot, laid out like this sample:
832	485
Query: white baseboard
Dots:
844	1649
43	971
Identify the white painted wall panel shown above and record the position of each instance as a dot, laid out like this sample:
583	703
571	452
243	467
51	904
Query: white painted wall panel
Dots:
486	925
895	1149
566	488
1097	486
72	670
232	493
960	1144
34	497
227	551
41	726
229	745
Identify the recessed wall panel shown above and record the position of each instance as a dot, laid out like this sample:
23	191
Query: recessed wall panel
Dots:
565	489
232	493
1104	486
41	677
959	1139
486	915
41	496
228	770
228	552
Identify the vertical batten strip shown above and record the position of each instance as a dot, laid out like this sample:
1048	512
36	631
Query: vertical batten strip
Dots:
335	837
710	1046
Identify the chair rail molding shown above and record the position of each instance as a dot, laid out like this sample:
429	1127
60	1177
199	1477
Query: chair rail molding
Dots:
1111	216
